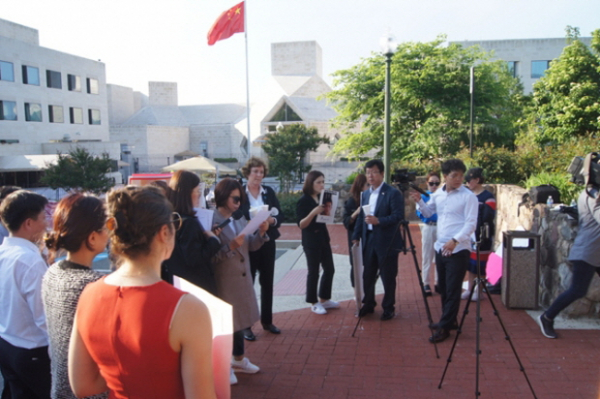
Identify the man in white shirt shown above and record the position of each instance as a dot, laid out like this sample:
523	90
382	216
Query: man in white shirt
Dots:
457	208
24	359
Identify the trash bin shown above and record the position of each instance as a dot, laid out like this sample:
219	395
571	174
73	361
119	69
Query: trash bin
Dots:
520	269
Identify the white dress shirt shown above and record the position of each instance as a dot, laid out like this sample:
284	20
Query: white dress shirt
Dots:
373	202
457	216
22	318
256	202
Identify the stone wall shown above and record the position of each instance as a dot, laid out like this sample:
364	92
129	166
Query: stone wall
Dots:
557	233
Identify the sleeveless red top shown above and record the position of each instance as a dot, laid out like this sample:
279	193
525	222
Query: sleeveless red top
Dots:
126	331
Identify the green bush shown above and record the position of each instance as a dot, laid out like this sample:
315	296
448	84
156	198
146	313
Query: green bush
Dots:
351	177
568	191
288	203
500	165
230	160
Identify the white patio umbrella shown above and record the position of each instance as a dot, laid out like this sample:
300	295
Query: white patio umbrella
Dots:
202	165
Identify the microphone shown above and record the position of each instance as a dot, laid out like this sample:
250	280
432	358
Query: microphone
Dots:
234	216
417	188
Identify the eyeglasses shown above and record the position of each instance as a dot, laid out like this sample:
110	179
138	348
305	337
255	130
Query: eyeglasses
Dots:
236	199
433	183
176	220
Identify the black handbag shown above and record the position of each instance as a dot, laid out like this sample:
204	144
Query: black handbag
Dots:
540	194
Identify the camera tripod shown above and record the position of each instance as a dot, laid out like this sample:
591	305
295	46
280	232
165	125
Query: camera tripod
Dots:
403	228
478	284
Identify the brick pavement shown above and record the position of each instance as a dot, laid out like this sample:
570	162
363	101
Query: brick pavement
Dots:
316	356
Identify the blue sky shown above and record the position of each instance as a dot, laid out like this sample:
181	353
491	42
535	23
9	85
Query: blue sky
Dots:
166	40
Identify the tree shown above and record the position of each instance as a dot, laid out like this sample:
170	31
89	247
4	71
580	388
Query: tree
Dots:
287	149
80	171
566	100
430	102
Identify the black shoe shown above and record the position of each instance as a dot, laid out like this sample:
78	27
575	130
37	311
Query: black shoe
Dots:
439	335
387	315
271	328
436	326
365	310
427	290
436	288
547	327
249	335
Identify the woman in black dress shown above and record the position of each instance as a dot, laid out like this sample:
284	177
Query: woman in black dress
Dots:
315	241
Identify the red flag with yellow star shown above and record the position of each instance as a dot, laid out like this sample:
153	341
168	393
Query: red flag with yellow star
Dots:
228	23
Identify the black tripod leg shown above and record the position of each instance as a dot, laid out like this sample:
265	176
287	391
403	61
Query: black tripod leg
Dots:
458	332
356	327
419	277
507	337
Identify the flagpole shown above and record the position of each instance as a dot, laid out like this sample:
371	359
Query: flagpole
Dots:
247	77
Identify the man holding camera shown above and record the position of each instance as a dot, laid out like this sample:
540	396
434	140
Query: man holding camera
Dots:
585	252
380	237
457	208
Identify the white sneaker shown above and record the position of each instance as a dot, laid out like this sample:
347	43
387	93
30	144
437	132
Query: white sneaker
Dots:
232	378
465	294
244	366
318	308
329	304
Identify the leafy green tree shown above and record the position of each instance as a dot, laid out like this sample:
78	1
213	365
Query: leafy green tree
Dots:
287	149
566	100
430	102
80	171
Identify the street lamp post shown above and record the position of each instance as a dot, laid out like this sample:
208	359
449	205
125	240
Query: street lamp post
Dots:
388	47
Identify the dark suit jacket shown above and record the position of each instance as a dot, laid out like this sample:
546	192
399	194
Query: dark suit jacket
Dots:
315	234
269	198
389	210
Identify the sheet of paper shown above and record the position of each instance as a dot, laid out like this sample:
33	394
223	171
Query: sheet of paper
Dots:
367	209
205	217
253	224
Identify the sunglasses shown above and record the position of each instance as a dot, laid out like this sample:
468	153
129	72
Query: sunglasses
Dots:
236	199
433	183
176	220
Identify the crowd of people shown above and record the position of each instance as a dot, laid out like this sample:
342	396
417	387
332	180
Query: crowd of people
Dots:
69	331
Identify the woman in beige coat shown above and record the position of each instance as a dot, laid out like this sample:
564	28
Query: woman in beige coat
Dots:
232	269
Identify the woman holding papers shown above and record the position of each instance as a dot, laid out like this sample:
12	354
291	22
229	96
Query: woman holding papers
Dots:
194	246
351	212
262	260
135	334
315	241
232	268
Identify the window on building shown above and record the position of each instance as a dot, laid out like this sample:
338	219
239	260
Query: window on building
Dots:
285	114
74	82
538	68
31	75
33	112
76	115
92	86
94	116
512	68
8	110
53	79
56	114
204	148
6	71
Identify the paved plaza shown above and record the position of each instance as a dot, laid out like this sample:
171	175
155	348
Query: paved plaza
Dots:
317	357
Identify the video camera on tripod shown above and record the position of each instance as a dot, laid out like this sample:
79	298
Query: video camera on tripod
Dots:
585	170
403	180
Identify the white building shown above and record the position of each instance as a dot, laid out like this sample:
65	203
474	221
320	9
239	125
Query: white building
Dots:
49	101
527	58
156	131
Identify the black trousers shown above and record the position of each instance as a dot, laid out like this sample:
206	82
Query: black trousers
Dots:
238	343
263	262
316	257
451	273
387	265
26	372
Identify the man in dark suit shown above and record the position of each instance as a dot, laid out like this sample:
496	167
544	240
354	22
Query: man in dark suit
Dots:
380	235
